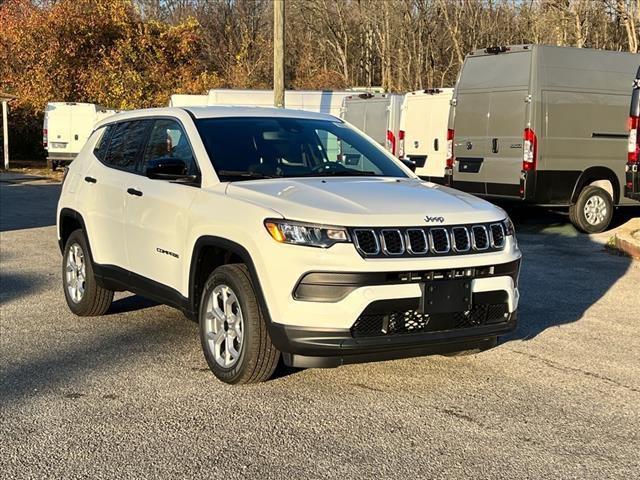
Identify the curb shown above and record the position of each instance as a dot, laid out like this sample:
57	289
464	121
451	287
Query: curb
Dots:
628	243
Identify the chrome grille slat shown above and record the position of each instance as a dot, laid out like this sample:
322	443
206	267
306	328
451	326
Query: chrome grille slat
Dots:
480	237
461	239
392	241
497	235
417	241
439	235
366	241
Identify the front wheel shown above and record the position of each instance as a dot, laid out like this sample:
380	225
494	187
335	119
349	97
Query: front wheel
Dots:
593	211
233	332
84	296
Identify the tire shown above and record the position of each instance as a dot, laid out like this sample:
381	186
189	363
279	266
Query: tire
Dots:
593	211
252	357
86	298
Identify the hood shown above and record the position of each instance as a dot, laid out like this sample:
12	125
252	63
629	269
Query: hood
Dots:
367	201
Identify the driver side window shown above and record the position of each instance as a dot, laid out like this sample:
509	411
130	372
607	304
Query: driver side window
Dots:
168	141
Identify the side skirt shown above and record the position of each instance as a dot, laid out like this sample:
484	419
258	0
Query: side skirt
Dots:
117	278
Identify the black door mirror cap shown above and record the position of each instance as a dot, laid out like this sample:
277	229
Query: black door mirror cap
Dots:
410	164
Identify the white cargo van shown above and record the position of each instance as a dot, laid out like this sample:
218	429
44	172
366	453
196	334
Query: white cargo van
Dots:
67	127
377	115
423	131
320	101
187	100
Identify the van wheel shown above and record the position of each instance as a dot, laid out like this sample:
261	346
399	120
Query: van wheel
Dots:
84	296
593	211
233	332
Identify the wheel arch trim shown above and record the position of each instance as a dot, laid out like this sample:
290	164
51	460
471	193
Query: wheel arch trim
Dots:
593	174
240	251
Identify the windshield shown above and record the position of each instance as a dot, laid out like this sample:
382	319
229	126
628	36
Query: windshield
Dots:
244	148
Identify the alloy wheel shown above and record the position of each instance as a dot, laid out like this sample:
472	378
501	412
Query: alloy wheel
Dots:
224	326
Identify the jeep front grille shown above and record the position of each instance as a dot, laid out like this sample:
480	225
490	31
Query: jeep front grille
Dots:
428	241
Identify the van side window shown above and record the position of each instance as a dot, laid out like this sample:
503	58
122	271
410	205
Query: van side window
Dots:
100	150
126	144
168	141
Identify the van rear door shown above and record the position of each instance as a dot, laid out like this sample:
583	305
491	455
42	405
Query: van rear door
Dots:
491	114
503	162
471	146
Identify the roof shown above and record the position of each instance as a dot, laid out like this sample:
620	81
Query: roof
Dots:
5	97
217	112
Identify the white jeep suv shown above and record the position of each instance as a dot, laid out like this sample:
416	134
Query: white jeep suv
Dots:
285	233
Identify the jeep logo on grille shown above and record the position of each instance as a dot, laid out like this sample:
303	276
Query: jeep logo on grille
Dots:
429	219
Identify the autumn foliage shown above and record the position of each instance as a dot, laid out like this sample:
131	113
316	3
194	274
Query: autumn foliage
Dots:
97	51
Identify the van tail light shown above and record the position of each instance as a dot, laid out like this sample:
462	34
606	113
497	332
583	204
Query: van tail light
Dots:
391	142
530	150
45	137
633	150
450	157
401	143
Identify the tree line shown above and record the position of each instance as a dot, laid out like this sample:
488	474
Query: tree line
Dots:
135	53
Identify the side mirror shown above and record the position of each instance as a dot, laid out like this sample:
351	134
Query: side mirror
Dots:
166	169
409	164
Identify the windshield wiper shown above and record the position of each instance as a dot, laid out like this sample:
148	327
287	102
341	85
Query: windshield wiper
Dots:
244	174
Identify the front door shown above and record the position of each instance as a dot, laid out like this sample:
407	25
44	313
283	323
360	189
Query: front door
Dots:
157	211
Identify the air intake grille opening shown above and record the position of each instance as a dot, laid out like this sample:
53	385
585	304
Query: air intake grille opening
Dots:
461	240
497	235
417	241
405	322
367	242
440	240
392	242
480	237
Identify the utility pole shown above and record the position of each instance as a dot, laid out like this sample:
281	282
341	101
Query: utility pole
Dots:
278	53
5	134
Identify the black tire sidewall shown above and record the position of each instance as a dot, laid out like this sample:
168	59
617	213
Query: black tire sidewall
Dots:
250	315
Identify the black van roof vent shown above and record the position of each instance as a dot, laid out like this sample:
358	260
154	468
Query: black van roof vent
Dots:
496	50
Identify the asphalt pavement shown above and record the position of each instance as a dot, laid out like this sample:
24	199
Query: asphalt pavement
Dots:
129	395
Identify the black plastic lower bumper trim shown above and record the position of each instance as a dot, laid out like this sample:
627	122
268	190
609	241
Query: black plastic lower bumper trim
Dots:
322	348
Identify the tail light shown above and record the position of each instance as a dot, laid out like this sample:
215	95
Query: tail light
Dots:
401	143
634	142
450	157
391	142
530	150
45	137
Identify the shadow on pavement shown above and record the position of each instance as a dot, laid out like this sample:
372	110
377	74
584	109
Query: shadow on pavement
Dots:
563	272
16	285
130	304
27	205
56	367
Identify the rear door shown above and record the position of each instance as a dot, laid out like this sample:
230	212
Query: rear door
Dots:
503	160
471	145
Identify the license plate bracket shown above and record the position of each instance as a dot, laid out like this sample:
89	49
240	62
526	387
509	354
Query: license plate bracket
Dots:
446	296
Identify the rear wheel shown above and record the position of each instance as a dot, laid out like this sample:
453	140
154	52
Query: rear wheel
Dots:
233	332
593	211
83	294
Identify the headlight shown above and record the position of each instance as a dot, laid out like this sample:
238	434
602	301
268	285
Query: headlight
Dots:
298	233
509	229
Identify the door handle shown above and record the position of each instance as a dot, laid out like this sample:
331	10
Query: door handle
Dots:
494	145
133	191
435	144
90	180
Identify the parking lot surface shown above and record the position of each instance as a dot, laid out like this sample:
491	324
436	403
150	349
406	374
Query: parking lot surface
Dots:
129	395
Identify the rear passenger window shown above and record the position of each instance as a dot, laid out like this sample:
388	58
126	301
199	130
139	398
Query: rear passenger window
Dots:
126	143
100	150
169	142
